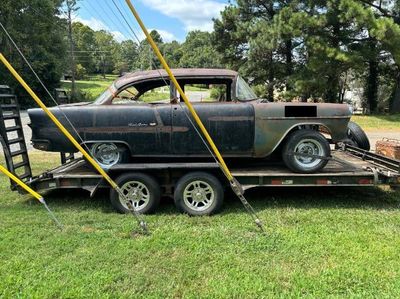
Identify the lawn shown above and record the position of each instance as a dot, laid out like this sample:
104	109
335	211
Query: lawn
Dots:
92	86
95	85
378	122
324	243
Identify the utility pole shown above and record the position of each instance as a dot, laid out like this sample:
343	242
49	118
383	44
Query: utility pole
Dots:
103	63
150	58
71	7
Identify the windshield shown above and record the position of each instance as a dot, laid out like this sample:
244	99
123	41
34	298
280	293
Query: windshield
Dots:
244	91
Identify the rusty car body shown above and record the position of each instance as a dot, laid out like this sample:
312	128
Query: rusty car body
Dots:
118	125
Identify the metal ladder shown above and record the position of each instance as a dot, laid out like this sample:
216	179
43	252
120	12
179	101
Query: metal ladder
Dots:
13	140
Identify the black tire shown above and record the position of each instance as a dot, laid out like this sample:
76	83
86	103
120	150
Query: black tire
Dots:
356	134
151	193
306	141
209	191
122	154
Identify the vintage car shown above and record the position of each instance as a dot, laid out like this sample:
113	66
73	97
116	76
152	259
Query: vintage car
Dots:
141	115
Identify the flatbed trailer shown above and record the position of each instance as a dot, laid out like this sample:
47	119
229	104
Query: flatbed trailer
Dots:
348	166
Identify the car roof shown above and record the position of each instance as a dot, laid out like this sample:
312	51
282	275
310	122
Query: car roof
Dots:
182	73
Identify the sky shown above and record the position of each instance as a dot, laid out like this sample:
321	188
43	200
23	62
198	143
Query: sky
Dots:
173	19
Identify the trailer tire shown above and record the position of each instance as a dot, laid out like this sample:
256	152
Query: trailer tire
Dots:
306	141
141	188
199	194
356	134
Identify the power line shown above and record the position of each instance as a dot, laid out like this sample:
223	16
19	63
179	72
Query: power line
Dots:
90	51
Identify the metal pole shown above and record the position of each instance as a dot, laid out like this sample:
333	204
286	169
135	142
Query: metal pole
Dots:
31	192
21	183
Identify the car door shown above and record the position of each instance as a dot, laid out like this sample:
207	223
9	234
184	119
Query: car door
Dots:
143	123
230	124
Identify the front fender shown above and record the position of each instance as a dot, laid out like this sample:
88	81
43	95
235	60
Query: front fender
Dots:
272	126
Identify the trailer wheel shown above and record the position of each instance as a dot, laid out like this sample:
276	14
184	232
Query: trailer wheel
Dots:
143	191
306	142
198	194
108	154
357	135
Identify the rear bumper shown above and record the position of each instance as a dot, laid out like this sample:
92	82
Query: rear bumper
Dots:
42	144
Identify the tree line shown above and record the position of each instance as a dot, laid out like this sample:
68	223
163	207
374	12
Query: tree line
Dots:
43	31
99	52
315	49
288	49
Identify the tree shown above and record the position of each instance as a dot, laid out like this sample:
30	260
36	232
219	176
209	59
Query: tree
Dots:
381	20
128	56
198	51
36	27
253	47
107	47
172	52
84	46
308	49
147	59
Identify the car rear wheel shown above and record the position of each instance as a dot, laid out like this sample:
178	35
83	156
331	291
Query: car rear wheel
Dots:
108	154
198	194
306	142
141	189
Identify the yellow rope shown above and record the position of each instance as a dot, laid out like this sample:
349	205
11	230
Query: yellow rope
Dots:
57	123
21	183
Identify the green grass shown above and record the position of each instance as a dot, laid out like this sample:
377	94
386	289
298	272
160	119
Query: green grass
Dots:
92	86
378	122
149	97
320	243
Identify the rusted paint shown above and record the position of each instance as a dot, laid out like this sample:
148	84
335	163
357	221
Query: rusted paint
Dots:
231	118
272	126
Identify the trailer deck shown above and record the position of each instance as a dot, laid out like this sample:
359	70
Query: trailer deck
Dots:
347	168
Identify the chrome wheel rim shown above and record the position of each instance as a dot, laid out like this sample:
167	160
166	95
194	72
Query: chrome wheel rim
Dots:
106	154
309	147
137	193
198	195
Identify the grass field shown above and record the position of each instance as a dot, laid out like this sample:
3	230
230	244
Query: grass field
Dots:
92	86
320	243
378	122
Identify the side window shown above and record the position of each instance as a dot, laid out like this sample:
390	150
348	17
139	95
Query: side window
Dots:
219	92
126	96
131	95
206	92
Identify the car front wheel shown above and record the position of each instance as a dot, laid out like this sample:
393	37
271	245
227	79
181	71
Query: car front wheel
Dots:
306	144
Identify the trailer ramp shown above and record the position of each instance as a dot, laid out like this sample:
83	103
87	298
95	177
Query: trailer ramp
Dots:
13	140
